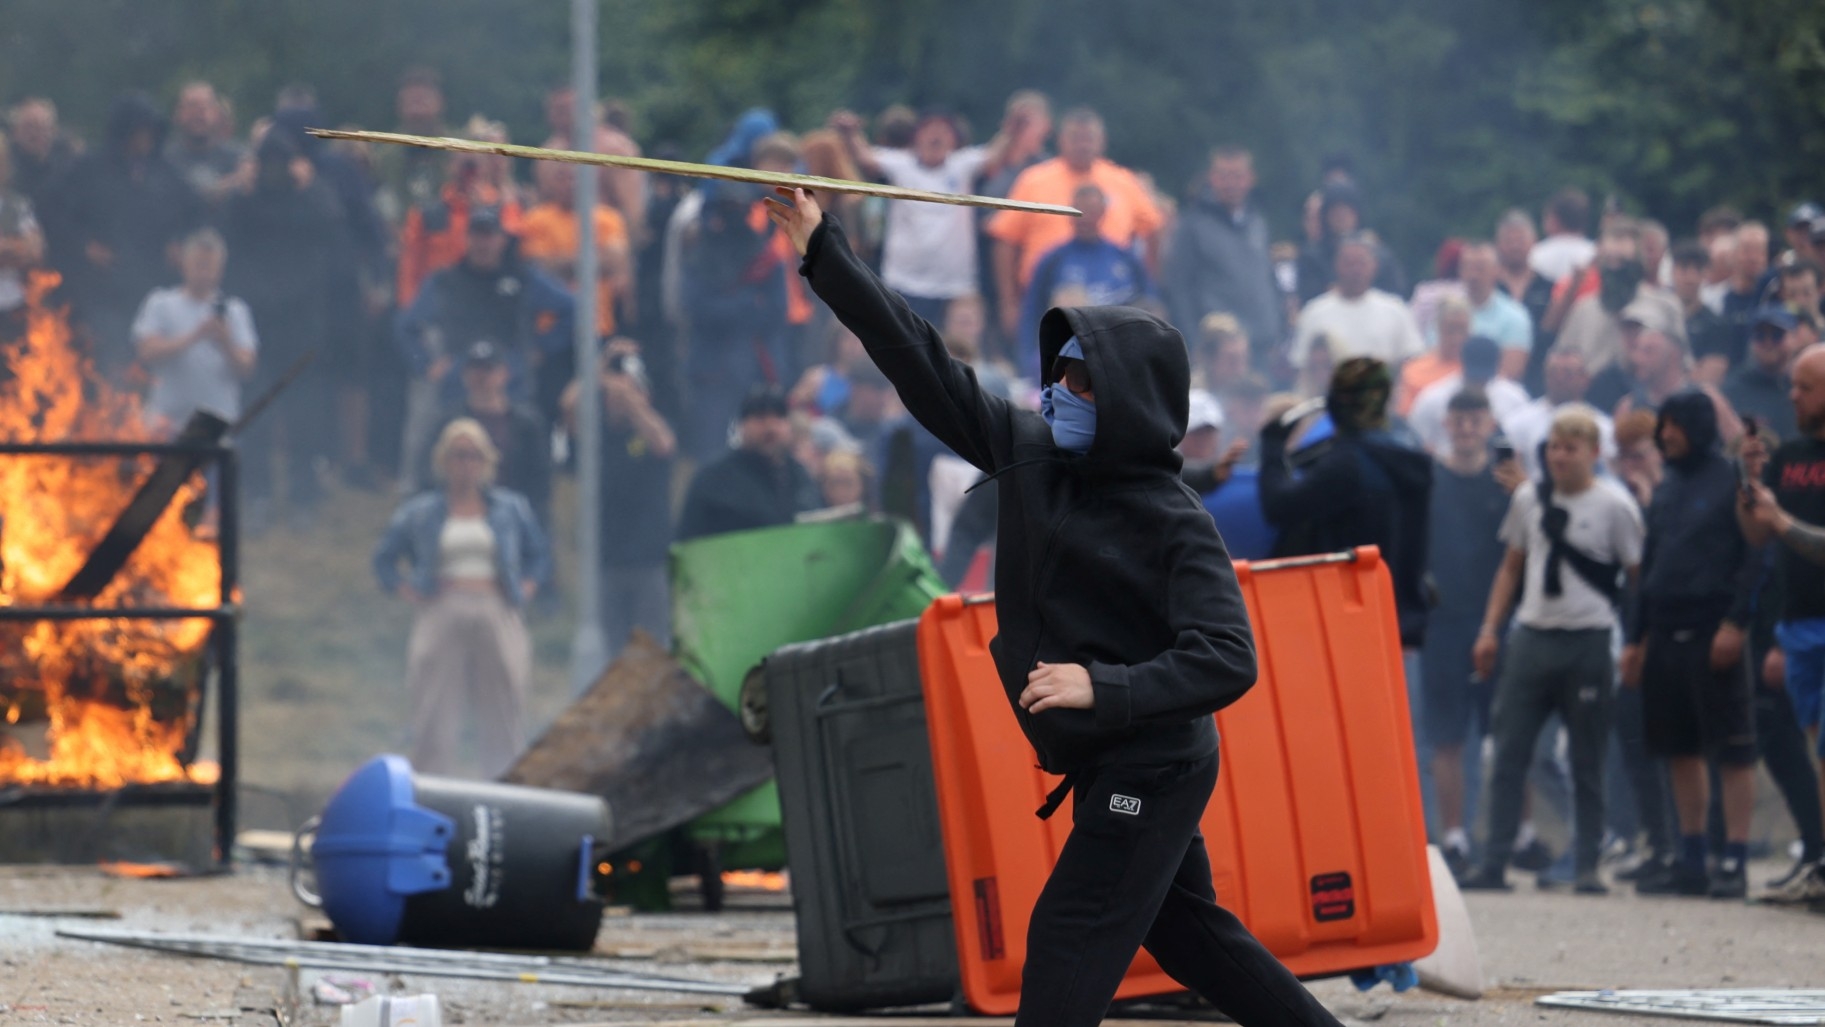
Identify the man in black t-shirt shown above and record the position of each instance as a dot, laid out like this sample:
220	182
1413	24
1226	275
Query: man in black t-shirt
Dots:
517	431
1709	336
1796	474
1468	503
636	499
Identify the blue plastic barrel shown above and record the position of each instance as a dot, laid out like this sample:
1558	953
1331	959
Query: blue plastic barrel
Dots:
400	857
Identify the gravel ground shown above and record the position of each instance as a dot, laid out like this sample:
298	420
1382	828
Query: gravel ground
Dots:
1531	943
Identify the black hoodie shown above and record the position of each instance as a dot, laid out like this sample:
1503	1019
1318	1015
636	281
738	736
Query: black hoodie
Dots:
1695	565
1357	488
1105	559
134	206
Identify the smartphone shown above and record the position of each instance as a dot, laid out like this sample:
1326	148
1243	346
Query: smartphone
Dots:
1502	449
221	307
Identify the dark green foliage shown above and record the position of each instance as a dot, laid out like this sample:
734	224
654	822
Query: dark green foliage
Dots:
1451	109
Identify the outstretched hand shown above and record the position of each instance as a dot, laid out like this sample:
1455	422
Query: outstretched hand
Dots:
799	218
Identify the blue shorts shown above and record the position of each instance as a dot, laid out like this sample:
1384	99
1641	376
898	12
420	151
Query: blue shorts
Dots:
1803	643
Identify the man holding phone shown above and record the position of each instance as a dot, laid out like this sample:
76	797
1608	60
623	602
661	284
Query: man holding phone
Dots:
1470	488
197	342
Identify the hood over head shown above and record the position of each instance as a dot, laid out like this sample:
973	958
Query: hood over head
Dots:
1695	414
293	121
1142	381
131	112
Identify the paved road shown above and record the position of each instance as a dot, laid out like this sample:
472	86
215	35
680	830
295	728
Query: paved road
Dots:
1531	942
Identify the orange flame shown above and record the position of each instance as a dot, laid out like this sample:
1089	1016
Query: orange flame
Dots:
89	687
754	880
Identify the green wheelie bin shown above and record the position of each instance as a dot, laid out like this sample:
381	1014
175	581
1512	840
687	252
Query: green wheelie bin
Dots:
738	597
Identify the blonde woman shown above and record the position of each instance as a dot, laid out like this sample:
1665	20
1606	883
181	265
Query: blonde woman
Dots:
473	555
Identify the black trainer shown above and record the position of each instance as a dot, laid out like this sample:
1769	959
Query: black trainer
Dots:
1674	879
1457	861
1532	857
1486	878
1730	881
1650	864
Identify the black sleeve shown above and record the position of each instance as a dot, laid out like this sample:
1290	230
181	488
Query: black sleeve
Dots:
535	446
941	393
696	518
1211	663
1200	479
1329	483
1635	609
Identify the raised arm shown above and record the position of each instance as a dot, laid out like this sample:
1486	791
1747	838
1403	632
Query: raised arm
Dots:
940	392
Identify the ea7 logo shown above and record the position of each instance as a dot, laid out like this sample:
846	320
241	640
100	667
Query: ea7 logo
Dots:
1125	804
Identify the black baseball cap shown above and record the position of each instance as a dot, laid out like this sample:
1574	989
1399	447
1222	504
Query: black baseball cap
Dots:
483	353
1776	316
764	401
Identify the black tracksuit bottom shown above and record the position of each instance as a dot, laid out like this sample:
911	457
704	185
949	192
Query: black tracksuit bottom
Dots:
1134	872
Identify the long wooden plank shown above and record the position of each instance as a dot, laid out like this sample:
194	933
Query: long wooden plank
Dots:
813	183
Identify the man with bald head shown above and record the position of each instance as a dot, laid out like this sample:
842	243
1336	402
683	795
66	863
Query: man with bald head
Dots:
1494	315
1795	473
1745	294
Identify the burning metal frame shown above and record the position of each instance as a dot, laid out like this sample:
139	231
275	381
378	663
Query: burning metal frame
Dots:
223	637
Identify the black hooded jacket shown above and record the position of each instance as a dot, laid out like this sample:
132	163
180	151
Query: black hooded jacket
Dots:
1105	559
1696	569
134	206
1356	489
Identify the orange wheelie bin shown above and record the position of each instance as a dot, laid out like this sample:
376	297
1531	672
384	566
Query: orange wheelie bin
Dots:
1316	834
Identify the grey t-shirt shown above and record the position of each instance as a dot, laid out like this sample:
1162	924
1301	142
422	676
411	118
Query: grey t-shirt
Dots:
1603	523
199	376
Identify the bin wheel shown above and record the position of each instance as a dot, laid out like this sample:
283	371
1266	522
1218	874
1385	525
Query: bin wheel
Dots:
751	707
709	877
781	994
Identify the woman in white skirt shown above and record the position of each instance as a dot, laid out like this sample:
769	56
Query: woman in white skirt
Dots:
473	555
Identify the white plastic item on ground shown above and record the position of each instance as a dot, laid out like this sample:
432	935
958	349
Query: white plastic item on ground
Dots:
1454	968
394	1011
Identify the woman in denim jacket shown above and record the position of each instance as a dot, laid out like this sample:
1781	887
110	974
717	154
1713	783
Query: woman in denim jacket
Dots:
474	555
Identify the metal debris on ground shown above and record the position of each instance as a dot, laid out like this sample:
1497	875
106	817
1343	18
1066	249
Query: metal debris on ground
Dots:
378	959
1781	1006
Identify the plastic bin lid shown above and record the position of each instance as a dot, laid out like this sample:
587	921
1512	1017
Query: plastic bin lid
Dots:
374	847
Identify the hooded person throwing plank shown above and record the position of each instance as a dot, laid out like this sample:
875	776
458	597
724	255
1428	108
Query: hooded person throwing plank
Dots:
1122	631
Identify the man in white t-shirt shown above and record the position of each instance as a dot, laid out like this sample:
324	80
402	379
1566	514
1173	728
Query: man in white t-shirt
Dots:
198	343
1353	318
929	253
1571	540
1567	380
1480	363
1566	247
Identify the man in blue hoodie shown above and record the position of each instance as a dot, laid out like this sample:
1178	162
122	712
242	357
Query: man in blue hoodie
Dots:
1122	629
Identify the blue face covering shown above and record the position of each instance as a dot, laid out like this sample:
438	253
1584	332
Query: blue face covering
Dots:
1073	418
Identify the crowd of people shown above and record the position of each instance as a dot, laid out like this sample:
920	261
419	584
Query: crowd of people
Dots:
1588	445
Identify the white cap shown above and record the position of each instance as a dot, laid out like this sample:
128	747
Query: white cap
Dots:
1206	412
